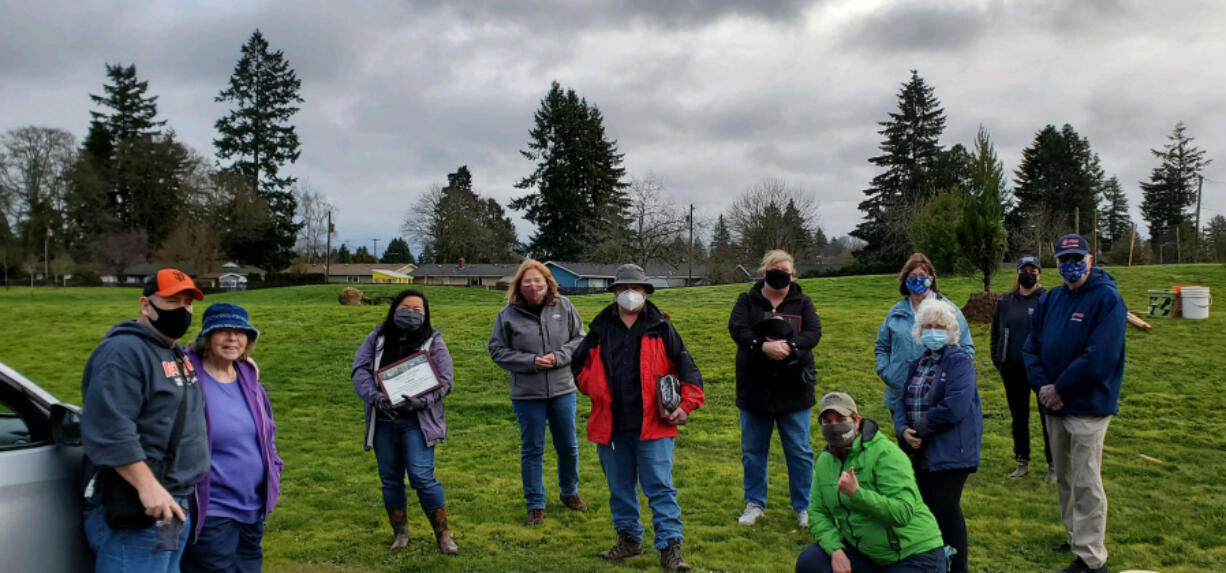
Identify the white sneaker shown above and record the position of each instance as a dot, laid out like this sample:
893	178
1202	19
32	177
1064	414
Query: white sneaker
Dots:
802	517
751	515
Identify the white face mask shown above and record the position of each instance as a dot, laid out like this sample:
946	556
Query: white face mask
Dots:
630	299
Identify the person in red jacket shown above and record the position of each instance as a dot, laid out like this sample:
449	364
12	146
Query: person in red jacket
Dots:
630	345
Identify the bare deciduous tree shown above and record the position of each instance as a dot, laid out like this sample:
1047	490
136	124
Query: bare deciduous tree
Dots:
773	215
655	222
313	209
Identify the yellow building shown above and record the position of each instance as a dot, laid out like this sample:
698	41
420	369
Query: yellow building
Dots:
389	277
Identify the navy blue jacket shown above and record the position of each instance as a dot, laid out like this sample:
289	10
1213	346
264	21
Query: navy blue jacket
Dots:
952	430
1077	343
130	396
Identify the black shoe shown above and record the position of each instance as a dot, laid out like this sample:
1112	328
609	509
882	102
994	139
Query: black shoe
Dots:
1062	547
1079	566
627	546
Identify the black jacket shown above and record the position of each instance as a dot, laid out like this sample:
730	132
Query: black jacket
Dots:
774	386
1011	326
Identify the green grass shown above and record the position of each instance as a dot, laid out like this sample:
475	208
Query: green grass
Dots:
1168	516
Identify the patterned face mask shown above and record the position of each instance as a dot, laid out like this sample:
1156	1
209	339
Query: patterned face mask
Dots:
919	285
1072	271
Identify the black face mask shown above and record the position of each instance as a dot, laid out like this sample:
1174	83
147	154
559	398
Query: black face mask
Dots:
1027	280
408	320
778	279
171	323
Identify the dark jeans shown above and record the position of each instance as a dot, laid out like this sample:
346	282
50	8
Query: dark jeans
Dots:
559	412
226	546
400	447
942	493
815	560
1018	392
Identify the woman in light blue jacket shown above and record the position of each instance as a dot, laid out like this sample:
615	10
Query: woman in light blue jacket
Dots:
896	348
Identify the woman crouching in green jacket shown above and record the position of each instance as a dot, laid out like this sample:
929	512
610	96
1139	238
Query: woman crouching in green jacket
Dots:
865	510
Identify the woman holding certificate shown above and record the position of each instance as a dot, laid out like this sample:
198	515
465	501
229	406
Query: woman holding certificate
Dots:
533	339
402	371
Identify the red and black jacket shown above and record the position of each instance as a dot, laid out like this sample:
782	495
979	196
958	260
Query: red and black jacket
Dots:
661	352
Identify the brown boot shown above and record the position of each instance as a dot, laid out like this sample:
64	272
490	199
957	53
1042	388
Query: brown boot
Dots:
573	502
535	517
670	558
627	546
438	521
400	527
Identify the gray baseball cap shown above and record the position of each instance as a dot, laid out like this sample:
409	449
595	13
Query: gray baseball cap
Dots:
840	402
1029	260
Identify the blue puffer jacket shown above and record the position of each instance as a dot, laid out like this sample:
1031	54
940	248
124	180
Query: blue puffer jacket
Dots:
1077	343
896	349
952	429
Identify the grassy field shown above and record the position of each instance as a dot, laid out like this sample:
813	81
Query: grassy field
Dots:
1167	515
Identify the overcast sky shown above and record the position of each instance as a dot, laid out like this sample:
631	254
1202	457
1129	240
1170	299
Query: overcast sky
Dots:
710	96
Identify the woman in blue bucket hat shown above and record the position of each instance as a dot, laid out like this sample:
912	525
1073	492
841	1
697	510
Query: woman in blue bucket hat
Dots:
244	476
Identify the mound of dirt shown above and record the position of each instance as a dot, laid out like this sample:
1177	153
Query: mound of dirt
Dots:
980	307
350	297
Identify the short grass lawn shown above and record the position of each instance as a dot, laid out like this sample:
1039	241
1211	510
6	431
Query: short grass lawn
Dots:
1164	462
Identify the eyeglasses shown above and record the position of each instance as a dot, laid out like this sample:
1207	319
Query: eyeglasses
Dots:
1070	257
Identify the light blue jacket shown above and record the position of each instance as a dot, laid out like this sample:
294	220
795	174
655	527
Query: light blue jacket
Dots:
896	349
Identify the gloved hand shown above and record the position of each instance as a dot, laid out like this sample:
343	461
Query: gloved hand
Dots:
411	404
384	406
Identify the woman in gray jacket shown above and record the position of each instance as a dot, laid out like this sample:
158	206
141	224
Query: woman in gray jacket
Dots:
533	340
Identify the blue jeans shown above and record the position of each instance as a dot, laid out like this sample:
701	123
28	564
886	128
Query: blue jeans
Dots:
559	412
628	462
756	429
122	550
226	546
400	447
815	560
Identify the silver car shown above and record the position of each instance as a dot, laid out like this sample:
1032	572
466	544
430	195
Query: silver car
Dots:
40	480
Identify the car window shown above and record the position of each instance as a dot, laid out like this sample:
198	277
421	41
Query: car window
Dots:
13	429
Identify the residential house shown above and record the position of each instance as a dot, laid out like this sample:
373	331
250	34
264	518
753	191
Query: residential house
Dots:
364	273
573	275
487	275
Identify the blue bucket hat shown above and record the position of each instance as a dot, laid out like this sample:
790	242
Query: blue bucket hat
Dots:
226	315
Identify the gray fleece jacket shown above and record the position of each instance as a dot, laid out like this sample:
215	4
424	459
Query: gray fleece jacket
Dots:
519	336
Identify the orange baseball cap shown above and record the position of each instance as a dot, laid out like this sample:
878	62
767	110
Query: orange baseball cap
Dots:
169	282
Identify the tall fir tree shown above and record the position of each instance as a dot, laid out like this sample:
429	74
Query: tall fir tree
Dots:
723	255
910	152
454	222
132	112
1058	181
398	252
578	198
981	230
1172	186
1114	223
256	136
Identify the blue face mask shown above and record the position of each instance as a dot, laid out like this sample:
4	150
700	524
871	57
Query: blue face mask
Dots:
919	285
1072	271
934	339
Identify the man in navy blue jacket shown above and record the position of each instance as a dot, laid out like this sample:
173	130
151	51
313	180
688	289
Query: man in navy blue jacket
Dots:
1075	361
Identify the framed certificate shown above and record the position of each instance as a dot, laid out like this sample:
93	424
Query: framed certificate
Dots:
793	319
413	376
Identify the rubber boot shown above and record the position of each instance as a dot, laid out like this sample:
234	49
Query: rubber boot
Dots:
438	521
400	527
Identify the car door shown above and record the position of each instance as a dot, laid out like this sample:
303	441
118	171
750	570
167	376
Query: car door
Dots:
40	484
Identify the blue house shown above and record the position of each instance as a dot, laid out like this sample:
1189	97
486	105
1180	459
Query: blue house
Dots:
571	275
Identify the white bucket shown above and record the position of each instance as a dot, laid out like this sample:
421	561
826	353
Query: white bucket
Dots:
1195	301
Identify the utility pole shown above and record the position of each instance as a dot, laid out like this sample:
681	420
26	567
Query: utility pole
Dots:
328	249
46	259
1199	187
690	259
1132	244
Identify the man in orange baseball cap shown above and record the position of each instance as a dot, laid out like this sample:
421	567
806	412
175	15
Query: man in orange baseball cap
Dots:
144	433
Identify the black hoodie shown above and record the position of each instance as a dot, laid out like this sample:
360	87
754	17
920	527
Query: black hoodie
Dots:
774	386
130	397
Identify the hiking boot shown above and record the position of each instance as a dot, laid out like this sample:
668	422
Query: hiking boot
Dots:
1062	547
802	518
670	558
400	527
1079	566
752	512
627	546
1023	470
535	517
573	502
1051	475
438	521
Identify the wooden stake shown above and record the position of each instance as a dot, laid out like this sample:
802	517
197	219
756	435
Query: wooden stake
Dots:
1132	244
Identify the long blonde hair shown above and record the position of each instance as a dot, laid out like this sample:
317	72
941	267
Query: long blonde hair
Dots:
513	294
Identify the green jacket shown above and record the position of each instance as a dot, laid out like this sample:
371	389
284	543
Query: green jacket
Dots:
886	519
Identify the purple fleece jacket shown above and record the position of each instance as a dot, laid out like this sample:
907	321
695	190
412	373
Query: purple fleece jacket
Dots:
368	359
266	431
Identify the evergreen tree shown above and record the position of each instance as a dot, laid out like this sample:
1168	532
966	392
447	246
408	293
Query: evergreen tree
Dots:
454	222
1059	177
132	113
723	256
343	255
910	154
981	230
578	199
259	140
1215	239
934	230
398	253
1114	223
1171	189
363	256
